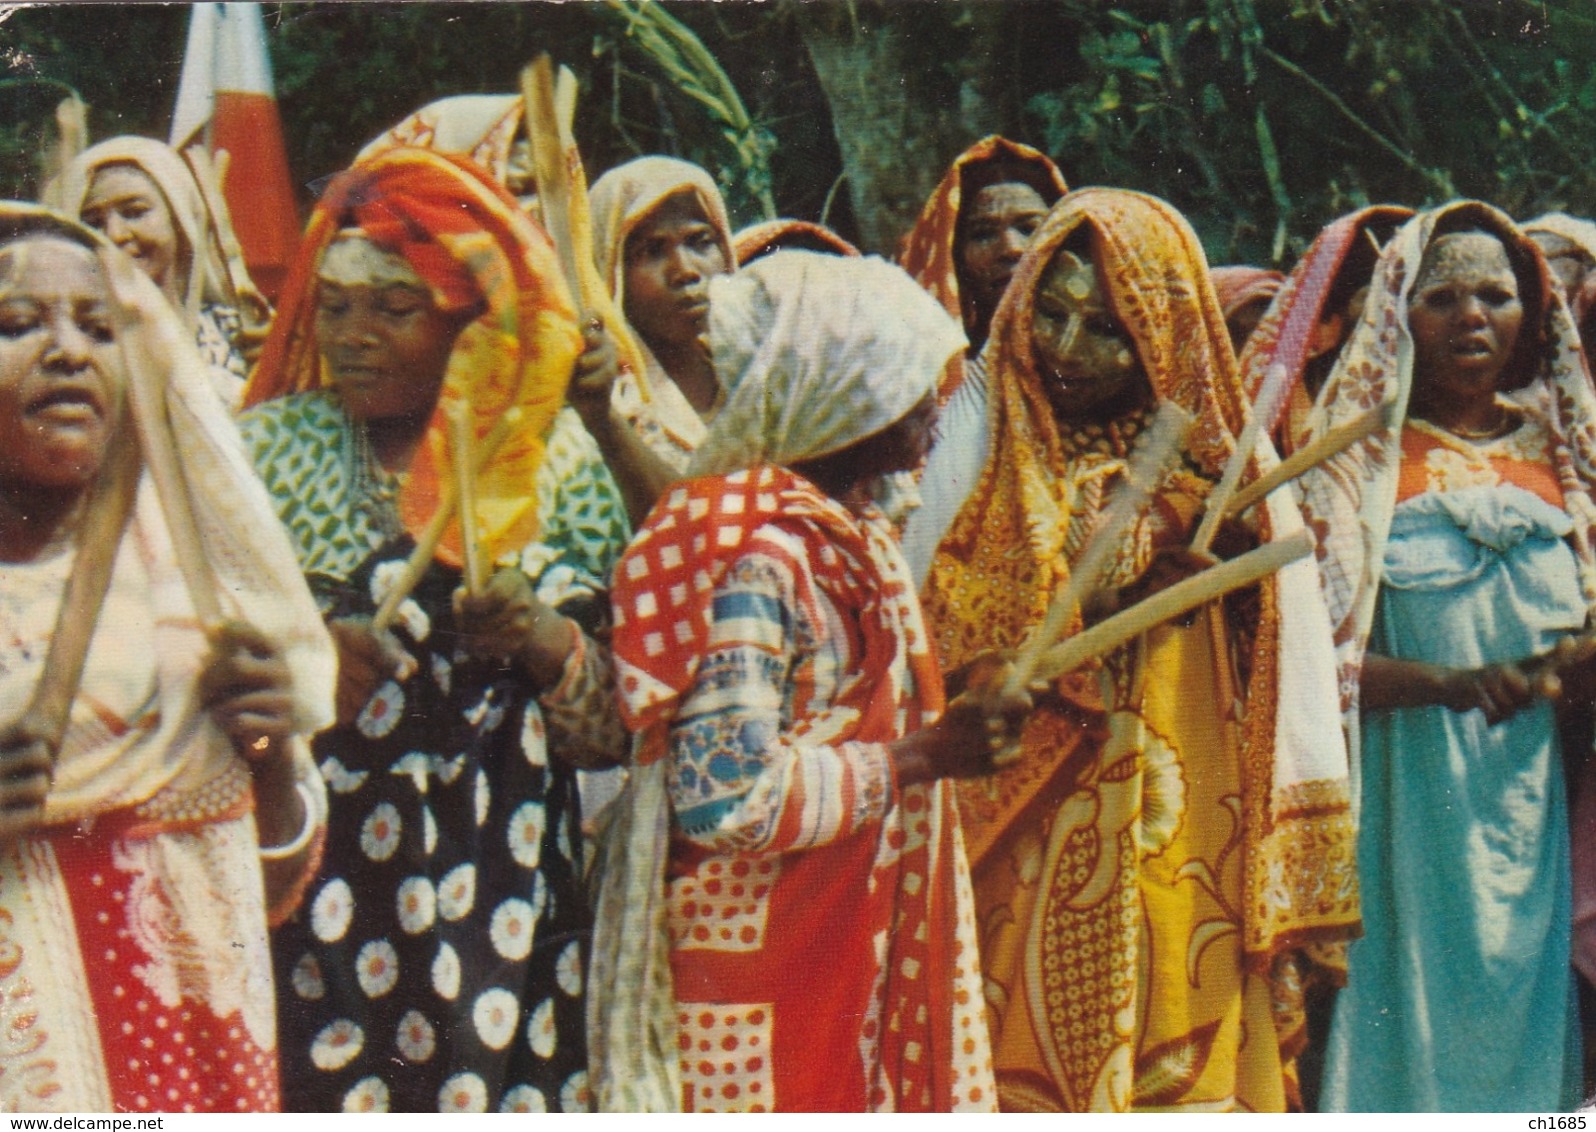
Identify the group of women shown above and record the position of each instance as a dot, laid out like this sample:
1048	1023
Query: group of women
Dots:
430	696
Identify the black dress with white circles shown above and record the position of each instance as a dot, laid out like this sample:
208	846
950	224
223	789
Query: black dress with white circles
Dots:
437	961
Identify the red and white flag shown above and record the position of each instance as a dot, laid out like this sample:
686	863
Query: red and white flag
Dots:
225	101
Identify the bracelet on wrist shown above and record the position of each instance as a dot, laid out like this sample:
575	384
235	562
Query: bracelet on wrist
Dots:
302	838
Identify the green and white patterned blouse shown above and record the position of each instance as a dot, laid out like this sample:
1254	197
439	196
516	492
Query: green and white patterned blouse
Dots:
306	452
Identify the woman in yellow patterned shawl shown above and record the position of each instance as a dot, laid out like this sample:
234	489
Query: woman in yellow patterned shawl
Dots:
1170	833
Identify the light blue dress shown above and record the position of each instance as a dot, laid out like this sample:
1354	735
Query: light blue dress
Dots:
1459	995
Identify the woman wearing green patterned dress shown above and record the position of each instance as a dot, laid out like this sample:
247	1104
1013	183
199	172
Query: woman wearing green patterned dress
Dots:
438	960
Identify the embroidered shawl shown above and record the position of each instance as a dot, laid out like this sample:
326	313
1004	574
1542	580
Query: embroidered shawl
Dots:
1286	335
1005	553
1348	501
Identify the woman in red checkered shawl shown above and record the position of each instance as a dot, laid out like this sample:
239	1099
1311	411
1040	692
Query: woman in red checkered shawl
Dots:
771	654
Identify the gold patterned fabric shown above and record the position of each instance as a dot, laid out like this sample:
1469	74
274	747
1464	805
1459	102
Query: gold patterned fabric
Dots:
1169	837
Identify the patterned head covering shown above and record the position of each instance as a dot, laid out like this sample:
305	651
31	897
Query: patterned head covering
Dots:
1582	234
1287	335
1005	547
930	252
821	351
818	352
1238	284
773	235
1349	500
1004	555
248	567
474	247
211	259
482	128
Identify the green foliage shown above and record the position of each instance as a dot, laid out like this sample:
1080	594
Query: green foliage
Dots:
127	74
691	71
1367	100
1261	119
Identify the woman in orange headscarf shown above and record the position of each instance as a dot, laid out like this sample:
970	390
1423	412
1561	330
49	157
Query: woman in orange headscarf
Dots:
974	228
441	963
1170	832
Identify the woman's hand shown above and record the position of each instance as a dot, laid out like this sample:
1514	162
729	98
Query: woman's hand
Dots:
597	368
1500	691
507	620
27	763
246	686
366	660
977	735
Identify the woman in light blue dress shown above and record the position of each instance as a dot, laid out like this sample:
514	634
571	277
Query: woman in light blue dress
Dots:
1456	559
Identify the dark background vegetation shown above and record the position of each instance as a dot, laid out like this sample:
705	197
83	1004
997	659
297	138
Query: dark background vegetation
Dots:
1260	119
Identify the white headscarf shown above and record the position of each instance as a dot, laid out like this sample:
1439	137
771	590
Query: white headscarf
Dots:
818	352
213	269
248	567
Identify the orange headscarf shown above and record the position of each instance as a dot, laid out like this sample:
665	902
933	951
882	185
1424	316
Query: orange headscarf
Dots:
1240	284
772	235
472	245
928	252
1004	555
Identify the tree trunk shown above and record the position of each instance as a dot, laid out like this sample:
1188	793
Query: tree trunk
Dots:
899	114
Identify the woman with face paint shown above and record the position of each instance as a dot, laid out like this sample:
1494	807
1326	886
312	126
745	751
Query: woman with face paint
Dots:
1145	873
148	201
1455	548
439	963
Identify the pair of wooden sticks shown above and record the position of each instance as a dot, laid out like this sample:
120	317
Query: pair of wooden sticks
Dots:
458	496
1044	657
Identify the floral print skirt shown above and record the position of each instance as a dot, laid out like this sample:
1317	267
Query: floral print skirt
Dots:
437	961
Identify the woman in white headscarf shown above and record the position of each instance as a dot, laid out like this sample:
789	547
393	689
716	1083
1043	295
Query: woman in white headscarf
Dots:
145	838
172	220
772	657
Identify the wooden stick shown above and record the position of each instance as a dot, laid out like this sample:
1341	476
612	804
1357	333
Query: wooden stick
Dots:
99	538
461	445
1182	597
148	389
1338	439
1160	444
549	106
427	544
1265	409
72	135
549	167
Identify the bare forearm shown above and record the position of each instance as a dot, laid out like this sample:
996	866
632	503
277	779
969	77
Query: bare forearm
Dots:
1390	683
639	472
